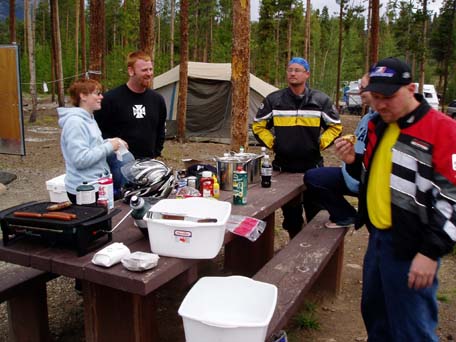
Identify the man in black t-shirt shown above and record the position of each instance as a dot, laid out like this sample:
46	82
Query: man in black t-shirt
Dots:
134	112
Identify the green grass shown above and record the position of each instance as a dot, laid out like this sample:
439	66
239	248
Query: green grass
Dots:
443	298
307	319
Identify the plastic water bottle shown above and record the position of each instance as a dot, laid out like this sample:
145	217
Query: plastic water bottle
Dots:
263	151
266	172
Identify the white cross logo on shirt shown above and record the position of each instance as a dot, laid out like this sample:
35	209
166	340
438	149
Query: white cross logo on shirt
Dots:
139	111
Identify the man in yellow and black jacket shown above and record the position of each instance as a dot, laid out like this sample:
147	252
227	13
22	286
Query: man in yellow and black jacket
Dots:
297	123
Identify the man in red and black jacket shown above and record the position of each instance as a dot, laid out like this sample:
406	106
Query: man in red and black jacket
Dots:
408	203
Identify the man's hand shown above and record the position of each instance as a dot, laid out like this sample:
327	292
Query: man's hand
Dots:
422	272
345	150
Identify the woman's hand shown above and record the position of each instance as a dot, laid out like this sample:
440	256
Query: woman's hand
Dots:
345	150
117	143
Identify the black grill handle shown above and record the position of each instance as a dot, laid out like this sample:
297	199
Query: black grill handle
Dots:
102	218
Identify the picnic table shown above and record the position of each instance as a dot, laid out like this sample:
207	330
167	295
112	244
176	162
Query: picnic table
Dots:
121	305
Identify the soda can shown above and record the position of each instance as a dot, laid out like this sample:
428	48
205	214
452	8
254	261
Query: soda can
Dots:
240	187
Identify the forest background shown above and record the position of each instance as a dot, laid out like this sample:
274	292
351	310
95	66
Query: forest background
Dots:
406	30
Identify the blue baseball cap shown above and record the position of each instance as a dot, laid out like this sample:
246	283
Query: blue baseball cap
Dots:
301	61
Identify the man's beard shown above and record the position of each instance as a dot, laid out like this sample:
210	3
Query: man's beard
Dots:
146	83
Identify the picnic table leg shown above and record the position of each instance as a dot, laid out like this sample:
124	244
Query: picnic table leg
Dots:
28	315
245	257
114	315
330	279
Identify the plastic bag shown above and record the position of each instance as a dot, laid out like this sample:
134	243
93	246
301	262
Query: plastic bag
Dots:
187	191
248	227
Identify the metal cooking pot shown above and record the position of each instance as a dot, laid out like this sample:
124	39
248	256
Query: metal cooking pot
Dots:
250	162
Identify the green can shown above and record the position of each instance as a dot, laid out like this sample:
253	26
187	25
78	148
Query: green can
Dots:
240	186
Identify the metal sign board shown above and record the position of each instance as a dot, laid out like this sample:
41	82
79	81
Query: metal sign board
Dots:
12	140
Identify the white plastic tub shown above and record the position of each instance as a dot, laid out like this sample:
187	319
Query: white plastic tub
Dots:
56	189
185	236
227	309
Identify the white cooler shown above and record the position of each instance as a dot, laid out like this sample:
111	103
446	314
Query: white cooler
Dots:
56	189
186	236
228	309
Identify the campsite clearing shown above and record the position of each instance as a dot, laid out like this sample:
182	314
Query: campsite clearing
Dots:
339	319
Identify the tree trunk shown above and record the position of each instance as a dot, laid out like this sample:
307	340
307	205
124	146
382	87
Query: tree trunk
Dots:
83	36
240	74
374	31
307	35
157	45
196	33
12	21
368	36
146	28
339	56
448	56
277	41
58	51
290	28
211	38
76	40
183	72
423	50
171	34
96	44
30	27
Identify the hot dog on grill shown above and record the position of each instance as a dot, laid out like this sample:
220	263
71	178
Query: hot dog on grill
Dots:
27	214
62	213
58	206
54	216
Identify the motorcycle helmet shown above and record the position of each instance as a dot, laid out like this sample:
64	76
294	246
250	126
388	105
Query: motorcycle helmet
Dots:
147	178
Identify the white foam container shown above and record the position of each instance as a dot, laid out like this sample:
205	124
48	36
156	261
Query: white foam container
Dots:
227	309
187	239
56	189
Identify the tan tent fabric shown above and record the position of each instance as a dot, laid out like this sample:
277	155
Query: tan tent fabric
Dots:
209	99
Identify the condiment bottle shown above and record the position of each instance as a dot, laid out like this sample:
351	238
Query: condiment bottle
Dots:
216	187
207	184
266	172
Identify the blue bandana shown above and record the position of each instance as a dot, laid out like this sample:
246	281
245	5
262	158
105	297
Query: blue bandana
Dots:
301	61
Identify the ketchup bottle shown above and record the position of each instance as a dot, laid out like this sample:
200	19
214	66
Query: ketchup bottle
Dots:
207	184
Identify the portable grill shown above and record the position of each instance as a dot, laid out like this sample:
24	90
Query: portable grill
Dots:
91	224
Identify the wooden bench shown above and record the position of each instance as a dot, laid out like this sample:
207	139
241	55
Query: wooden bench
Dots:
24	289
316	253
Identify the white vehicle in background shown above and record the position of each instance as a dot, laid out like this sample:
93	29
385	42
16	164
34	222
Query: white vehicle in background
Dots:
353	99
430	95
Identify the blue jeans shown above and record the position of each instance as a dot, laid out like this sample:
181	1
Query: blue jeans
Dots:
391	310
117	178
327	184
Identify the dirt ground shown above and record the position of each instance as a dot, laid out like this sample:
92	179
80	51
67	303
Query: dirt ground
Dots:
325	318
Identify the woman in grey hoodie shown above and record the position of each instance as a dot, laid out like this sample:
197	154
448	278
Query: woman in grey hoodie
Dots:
83	147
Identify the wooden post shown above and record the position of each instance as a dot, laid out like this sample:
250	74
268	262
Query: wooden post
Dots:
240	74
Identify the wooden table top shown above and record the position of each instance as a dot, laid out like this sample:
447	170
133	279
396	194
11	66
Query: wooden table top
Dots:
261	202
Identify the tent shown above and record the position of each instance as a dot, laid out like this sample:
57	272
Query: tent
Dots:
208	114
